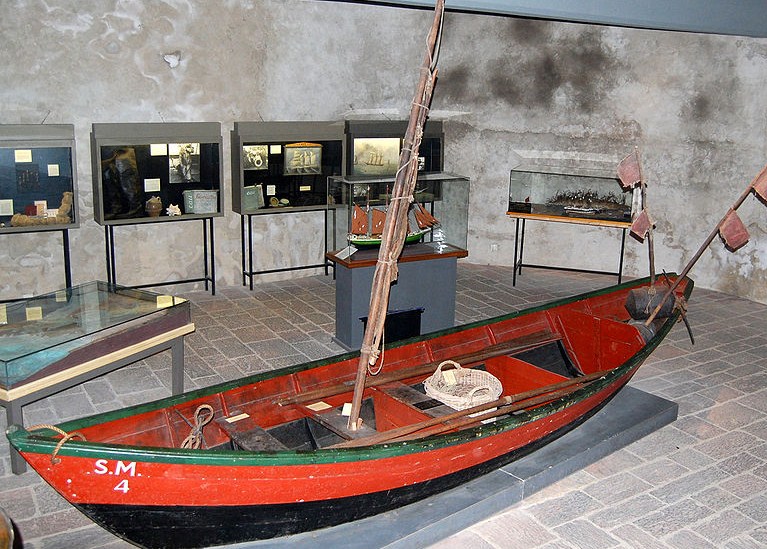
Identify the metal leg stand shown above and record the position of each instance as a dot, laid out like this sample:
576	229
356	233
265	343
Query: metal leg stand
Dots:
177	366
14	416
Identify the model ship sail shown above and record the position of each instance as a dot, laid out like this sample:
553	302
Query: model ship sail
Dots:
377	222
395	230
424	219
359	221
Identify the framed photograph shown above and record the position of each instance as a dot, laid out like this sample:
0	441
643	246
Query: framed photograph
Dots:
302	158
255	157
184	162
375	155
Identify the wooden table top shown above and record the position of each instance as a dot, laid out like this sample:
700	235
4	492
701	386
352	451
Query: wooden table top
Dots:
367	257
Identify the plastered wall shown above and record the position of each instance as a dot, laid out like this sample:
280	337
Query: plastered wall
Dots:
509	90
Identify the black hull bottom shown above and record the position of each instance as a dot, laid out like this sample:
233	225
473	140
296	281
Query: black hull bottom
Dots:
194	527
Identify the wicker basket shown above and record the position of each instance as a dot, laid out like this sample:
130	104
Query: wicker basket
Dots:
463	387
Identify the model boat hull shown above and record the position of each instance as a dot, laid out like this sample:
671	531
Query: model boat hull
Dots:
362	241
131	477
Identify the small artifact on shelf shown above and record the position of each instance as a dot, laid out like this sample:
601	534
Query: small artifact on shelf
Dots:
173	210
62	216
153	206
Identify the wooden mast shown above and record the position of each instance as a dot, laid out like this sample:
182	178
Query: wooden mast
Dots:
395	230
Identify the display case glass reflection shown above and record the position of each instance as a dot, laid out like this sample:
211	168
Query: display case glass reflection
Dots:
44	334
553	193
37	178
278	175
132	174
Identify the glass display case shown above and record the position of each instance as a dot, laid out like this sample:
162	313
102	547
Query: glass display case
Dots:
443	196
37	177
568	193
50	333
279	167
156	171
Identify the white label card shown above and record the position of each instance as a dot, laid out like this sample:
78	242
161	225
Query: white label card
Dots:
275	149
34	313
152	185
271	190
22	155
347	409
158	149
164	301
53	170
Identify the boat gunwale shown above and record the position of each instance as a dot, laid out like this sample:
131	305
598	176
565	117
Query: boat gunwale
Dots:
26	441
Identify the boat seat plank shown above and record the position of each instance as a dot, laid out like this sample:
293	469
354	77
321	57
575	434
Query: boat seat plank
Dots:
335	421
246	435
412	396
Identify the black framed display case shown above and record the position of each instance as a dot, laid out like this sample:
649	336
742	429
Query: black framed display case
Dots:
179	163
373	147
38	181
155	173
279	168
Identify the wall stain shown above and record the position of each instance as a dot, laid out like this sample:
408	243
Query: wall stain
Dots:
537	68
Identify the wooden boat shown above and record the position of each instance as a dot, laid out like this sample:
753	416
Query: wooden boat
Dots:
271	454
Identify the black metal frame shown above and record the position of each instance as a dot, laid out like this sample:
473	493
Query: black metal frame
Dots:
246	248
519	246
209	267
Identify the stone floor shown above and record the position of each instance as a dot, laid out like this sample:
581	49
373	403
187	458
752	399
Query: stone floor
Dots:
700	482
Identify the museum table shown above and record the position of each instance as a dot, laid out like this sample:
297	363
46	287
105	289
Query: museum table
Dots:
55	341
426	283
519	240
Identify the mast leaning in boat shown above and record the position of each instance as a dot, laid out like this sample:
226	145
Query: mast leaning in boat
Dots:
395	230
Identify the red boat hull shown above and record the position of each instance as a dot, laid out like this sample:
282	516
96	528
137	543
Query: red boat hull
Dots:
212	512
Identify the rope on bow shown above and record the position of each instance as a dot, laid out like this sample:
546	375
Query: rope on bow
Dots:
66	437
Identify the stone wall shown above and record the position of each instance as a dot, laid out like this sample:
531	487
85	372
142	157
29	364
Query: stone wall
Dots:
509	89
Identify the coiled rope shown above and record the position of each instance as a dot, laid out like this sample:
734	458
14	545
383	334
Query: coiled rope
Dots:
202	416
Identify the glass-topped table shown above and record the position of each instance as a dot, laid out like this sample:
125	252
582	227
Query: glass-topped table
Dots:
54	341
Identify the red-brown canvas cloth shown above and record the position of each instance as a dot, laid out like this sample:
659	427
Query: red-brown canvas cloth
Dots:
629	172
733	231
640	226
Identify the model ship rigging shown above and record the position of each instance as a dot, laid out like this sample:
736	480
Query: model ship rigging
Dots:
277	453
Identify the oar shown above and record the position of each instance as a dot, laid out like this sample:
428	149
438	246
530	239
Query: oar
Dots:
505	348
549	391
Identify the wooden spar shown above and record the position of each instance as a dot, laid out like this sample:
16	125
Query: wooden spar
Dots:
506	348
650	244
398	432
705	245
395	230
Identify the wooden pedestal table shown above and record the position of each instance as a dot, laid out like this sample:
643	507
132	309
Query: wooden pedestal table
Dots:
427	280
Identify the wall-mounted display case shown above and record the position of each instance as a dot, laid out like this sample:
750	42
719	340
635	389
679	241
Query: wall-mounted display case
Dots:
373	147
444	196
148	172
555	192
279	167
37	177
